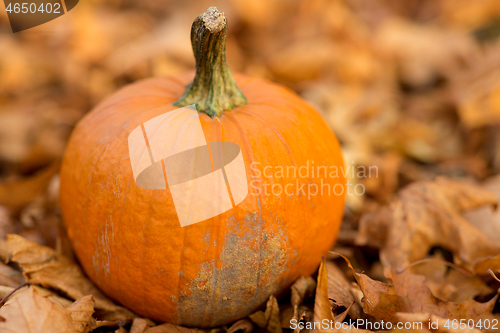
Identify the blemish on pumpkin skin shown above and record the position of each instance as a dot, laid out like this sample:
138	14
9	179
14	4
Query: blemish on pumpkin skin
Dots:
251	217
102	255
161	272
202	284
236	287
206	240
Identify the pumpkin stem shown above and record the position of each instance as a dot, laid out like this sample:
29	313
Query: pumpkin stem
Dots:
213	89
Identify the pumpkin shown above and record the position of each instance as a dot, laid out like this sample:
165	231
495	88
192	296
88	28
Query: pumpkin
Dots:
128	238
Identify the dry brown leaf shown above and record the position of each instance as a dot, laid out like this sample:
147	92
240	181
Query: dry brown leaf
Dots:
479	104
407	292
340	318
51	296
301	289
10	277
469	14
304	314
338	286
81	313
476	90
80	309
269	319
32	313
322	307
244	325
451	284
487	218
6	291
421	299
43	265
424	53
139	325
7	226
16	194
167	39
170	328
427	214
482	265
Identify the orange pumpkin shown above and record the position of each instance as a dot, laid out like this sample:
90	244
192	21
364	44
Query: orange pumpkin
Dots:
128	238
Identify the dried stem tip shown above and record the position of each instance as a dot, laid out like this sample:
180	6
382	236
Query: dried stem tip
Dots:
213	89
213	19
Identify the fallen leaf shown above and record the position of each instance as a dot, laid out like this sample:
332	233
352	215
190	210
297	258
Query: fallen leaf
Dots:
451	284
170	328
407	292
51	296
7	226
31	312
139	325
427	214
374	227
43	265
322	307
244	325
478	216
424	53
415	290
301	289
340	318
17	193
476	90
482	265
323	311
10	277
6	291
269	319
304	314
81	313
338	286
